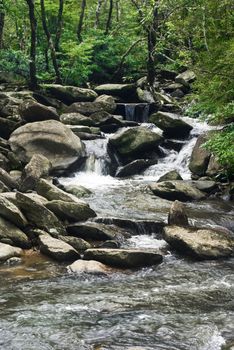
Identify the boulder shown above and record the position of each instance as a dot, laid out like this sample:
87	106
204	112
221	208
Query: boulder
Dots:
3	187
78	244
7	126
123	258
125	91
50	138
171	124
39	166
186	78
97	231
91	267
7	252
10	234
4	162
200	157
8	180
104	118
134	142
170	176
177	215
202	243
33	112
11	213
134	168
207	186
57	249
180	190
70	94
214	168
76	119
77	190
39	215
108	102
71	211
88	108
51	192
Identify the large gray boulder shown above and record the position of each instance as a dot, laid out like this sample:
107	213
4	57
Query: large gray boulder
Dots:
134	143
70	94
186	78
8	180
202	243
135	167
51	192
170	176
200	156
177	215
108	101
120	90
7	252
50	138
78	244
91	267
10	234
88	108
172	124
124	258
76	119
71	211
39	215
180	190
10	212
33	112
57	249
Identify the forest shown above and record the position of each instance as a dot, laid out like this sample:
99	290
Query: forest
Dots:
89	42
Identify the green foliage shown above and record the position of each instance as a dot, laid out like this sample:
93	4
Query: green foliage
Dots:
14	61
222	145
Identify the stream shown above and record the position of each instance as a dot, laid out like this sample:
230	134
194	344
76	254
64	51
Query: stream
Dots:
178	305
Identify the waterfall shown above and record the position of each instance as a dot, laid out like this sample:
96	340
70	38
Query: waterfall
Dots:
137	112
98	160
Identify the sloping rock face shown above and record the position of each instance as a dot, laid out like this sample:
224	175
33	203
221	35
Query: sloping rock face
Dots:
33	111
186	78
12	235
180	190
76	211
134	143
10	212
91	267
121	90
7	252
125	258
202	243
51	192
200	157
171	175
171	124
50	138
57	249
88	108
135	167
70	94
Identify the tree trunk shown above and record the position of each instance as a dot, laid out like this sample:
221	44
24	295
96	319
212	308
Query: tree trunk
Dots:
59	26
33	25
2	22
152	41
81	20
50	43
108	23
98	11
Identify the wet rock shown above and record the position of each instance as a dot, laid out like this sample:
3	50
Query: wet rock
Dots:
186	78
39	166
77	190
202	243
205	185
4	162
70	94
71	211
11	213
76	119
124	258
91	267
214	167
135	167
33	112
3	187
134	142
7	252
51	192
180	190
39	215
177	215
144	95
78	244
7	179
200	157
7	126
10	234
50	138
108	102
104	118
171	124
110	244
170	176
57	249
88	108
125	91
97	231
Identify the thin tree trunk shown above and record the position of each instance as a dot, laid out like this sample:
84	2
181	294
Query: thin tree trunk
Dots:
98	11
50	43
81	20
204	28
47	59
2	22
117	11
108	23
33	25
59	26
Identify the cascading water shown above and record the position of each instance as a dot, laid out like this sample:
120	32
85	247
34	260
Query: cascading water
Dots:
137	112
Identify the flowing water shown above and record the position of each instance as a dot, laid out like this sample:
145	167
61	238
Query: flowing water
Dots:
178	305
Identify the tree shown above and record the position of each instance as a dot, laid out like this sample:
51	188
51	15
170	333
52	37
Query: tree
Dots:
81	20
2	21
59	26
